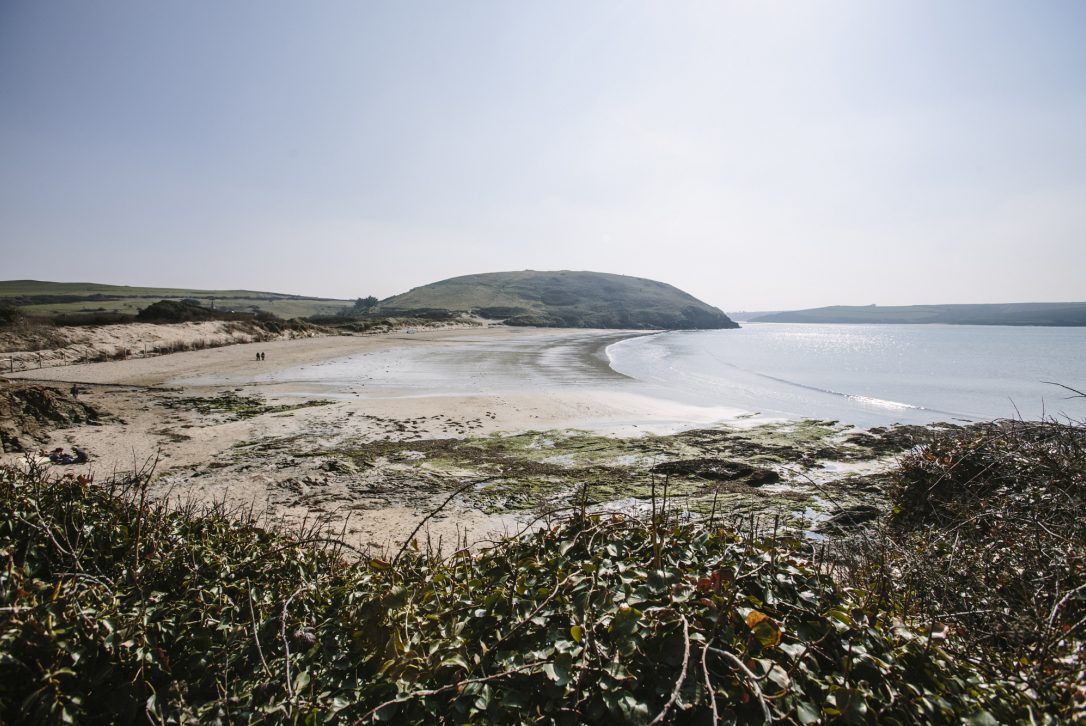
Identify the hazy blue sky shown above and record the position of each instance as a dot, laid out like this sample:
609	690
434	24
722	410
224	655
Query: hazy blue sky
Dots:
760	155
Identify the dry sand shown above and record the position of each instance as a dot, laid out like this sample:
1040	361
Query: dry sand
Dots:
272	462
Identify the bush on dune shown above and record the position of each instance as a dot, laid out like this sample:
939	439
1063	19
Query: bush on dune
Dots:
176	311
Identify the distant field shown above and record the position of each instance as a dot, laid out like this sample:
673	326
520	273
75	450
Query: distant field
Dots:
48	299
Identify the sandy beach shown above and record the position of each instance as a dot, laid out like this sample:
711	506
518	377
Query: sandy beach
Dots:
419	386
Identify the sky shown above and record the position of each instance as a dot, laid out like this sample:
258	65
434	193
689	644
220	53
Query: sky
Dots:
760	155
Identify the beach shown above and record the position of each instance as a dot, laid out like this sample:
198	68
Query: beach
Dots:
374	432
283	454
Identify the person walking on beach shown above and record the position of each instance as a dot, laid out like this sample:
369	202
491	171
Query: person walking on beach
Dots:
75	391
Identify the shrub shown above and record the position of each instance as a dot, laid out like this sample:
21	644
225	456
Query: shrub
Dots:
9	316
114	608
987	541
175	311
92	318
498	312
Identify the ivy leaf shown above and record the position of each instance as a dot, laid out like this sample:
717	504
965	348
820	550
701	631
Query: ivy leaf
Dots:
455	661
482	701
625	620
387	713
851	704
765	629
559	669
807	713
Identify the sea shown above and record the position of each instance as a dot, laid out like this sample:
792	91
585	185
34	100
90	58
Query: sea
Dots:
861	375
867	375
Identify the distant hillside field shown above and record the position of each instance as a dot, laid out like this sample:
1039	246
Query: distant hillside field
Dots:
48	299
742	316
562	299
1054	314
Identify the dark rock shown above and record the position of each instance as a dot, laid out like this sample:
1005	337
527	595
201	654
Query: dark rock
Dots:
28	413
851	516
719	470
337	466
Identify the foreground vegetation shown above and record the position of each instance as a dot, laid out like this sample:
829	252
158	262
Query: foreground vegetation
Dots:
957	606
987	542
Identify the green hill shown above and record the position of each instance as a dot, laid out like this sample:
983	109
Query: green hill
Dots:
561	299
1055	314
48	299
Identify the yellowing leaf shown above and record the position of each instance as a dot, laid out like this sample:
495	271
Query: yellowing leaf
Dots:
754	617
764	628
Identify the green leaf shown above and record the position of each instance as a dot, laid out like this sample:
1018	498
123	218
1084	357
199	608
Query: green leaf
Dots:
455	661
851	703
387	713
793	650
625	620
482	700
633	710
559	669
576	632
807	713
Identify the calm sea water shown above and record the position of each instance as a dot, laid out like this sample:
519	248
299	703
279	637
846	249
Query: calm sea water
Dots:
866	375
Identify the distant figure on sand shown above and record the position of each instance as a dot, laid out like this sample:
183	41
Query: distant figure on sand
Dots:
262	355
58	456
75	391
258	356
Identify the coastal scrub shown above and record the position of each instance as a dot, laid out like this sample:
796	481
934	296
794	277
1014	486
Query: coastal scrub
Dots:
114	608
